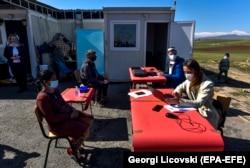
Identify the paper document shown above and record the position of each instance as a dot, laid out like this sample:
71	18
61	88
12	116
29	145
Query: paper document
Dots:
172	108
140	93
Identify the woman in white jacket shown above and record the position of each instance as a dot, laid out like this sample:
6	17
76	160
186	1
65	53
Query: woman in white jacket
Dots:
199	90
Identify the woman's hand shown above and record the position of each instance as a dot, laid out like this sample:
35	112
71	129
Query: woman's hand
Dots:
173	100
176	95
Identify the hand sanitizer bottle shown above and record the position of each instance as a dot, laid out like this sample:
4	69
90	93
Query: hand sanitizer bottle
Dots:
77	91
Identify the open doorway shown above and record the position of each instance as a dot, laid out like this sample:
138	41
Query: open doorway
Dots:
156	45
16	27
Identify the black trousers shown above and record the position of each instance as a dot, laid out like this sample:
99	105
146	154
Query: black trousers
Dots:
19	73
225	73
101	91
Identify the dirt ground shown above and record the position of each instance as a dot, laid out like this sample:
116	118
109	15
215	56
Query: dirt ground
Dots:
22	145
237	125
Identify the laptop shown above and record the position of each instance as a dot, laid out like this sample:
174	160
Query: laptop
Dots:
158	94
152	74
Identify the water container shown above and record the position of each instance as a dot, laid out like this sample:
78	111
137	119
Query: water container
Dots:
77	92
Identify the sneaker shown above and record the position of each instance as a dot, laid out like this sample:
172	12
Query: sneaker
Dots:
74	154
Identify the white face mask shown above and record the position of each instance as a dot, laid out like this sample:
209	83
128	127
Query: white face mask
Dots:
225	57
53	84
189	76
172	57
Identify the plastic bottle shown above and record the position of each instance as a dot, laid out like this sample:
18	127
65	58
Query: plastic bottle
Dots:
77	91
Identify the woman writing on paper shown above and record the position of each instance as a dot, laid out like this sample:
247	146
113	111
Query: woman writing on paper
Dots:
199	90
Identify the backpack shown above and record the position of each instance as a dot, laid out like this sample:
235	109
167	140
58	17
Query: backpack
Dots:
222	114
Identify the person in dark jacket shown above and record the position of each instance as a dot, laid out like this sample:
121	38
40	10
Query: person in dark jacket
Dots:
174	71
91	77
16	56
224	66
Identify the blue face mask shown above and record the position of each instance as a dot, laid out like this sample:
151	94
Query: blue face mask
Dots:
53	84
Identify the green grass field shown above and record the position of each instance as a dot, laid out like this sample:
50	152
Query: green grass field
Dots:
211	51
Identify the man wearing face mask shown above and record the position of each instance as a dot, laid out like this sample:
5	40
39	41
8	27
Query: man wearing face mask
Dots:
173	72
91	77
199	90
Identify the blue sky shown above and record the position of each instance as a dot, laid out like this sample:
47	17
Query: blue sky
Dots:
212	17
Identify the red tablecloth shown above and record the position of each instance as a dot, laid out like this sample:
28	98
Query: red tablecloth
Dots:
153	131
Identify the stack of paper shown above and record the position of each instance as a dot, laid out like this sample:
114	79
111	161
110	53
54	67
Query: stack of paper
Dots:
140	93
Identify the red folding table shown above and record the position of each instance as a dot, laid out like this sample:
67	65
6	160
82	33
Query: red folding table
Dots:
136	80
84	98
153	131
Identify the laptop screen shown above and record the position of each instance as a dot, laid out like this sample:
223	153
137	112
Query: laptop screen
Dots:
158	94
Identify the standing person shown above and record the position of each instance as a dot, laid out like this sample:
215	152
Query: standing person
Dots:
11	38
62	118
199	90
174	71
16	56
224	66
91	77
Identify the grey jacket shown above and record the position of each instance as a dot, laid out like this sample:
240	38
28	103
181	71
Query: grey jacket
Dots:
202	100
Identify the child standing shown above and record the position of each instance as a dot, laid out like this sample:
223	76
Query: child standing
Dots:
224	66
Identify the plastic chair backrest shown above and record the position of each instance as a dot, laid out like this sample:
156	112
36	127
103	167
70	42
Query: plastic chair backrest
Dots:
221	104
40	119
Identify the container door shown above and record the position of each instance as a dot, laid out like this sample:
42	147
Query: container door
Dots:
90	39
181	37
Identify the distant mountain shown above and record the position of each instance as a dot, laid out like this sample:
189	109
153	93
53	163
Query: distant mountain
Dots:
221	37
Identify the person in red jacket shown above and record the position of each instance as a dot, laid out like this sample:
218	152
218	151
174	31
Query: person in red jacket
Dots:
62	118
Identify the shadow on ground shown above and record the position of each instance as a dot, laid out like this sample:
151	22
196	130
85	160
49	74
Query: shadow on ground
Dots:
236	112
117	93
106	130
243	145
102	157
10	157
231	82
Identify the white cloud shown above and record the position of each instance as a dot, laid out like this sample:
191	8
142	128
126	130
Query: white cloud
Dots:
211	34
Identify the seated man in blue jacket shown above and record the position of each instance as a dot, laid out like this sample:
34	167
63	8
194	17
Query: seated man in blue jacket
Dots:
90	77
174	69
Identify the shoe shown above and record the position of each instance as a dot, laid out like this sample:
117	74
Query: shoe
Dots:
74	154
